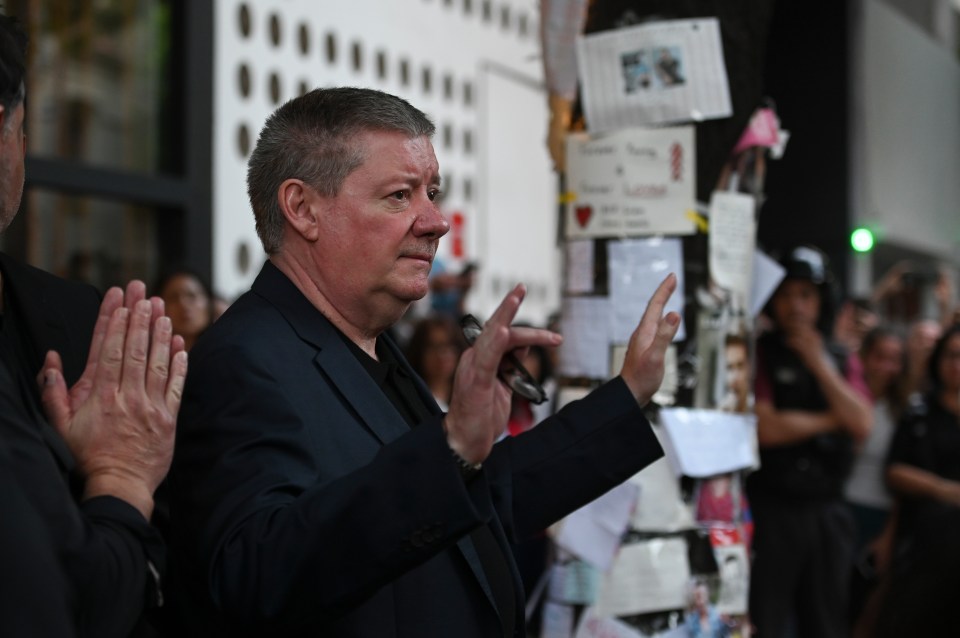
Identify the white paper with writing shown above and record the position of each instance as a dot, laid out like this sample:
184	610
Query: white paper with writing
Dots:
731	240
631	183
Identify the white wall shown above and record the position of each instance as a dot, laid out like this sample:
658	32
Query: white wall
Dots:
509	206
906	133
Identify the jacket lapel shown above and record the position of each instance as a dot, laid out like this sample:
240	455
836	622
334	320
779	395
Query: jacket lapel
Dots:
341	368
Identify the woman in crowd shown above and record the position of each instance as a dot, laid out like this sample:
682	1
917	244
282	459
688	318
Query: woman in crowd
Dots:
882	355
920	594
189	301
433	351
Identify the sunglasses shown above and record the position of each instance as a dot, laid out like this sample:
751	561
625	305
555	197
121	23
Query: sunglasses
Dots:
516	376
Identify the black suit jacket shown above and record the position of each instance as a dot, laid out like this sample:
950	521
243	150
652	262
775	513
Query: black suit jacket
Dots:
54	314
303	504
102	544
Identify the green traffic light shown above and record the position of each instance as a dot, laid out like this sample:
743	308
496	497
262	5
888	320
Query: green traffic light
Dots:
861	240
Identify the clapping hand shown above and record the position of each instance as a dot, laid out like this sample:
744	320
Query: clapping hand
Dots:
119	418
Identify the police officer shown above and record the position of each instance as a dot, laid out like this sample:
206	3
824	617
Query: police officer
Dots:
811	408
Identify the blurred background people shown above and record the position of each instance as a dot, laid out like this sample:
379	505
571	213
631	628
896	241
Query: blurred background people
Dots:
919	596
810	411
856	318
882	355
190	302
921	338
448	290
433	351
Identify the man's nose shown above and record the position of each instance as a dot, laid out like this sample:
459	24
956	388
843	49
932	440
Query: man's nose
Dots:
430	222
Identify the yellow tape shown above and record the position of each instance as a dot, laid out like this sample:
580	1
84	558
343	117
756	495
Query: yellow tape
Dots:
567	198
702	224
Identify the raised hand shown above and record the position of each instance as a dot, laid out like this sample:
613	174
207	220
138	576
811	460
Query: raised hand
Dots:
643	365
119	418
480	402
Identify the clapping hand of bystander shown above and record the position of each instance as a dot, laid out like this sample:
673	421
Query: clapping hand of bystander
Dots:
119	418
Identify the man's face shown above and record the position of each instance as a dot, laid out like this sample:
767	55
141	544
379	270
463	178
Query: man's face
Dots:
379	234
796	303
12	149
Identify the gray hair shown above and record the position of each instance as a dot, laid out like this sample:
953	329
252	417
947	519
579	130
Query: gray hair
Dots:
311	138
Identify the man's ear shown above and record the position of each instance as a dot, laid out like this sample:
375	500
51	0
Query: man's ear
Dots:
300	206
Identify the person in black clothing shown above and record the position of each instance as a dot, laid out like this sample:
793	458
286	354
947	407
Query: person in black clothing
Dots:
810	411
923	470
317	487
81	486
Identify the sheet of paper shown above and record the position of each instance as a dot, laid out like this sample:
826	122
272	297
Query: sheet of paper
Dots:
647	576
635	269
556	621
710	442
593	532
593	625
660	507
574	583
653	73
767	275
579	266
585	326
734	568
731	241
631	183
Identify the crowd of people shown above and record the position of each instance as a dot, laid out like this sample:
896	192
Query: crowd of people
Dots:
328	479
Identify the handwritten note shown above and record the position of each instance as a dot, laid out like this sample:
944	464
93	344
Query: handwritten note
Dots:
731	243
632	183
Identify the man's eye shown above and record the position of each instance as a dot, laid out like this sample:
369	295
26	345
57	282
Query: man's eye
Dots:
435	194
399	195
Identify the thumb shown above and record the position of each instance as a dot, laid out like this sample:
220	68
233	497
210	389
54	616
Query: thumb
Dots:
53	393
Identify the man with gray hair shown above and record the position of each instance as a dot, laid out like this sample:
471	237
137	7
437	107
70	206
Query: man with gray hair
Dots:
317	488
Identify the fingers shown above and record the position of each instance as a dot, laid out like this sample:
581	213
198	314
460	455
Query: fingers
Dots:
136	348
159	309
494	339
111	301
178	376
659	299
136	292
53	393
158	369
110	360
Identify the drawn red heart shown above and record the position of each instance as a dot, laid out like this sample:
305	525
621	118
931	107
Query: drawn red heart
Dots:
583	215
